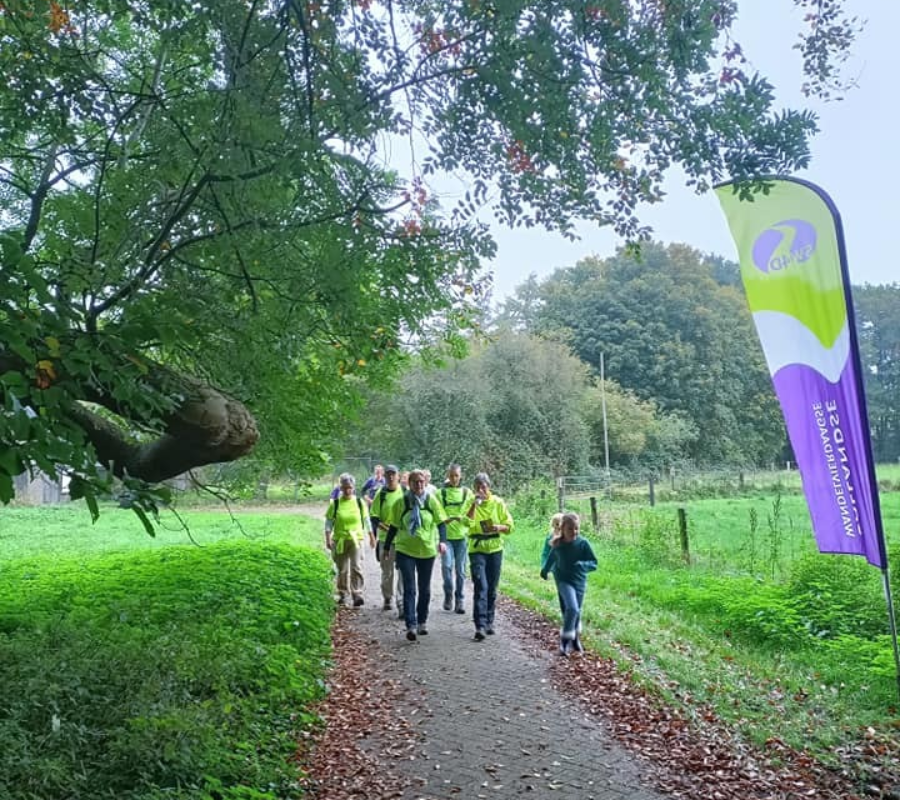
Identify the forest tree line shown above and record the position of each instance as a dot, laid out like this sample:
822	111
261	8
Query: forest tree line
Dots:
685	378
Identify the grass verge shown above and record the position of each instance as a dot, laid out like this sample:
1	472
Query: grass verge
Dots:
771	660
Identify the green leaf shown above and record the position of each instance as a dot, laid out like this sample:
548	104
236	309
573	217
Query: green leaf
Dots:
7	488
145	520
10	461
92	506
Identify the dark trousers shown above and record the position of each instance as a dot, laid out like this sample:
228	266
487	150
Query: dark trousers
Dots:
484	569
416	574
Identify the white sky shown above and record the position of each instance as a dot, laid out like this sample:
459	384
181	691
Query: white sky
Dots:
855	157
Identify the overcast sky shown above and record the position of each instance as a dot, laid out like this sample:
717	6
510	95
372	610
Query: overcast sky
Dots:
856	157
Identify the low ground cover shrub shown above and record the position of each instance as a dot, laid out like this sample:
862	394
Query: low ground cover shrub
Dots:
180	673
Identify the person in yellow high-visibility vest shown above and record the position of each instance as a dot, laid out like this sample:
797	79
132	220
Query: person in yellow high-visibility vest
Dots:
489	520
380	514
418	530
455	499
346	527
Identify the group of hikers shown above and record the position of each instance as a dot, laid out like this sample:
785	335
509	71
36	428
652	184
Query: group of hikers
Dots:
409	522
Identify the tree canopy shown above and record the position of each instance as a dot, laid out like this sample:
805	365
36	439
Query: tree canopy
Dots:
675	337
201	242
511	407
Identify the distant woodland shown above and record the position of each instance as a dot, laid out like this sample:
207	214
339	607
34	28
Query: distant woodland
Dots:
685	382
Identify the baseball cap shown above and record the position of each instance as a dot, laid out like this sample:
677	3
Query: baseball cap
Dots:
391	468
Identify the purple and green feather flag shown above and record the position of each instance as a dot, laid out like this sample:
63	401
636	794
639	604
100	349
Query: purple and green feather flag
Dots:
793	264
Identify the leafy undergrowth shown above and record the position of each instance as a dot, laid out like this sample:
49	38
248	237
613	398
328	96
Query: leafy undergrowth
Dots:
184	673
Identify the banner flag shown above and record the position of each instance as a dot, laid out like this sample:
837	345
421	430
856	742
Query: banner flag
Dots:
793	264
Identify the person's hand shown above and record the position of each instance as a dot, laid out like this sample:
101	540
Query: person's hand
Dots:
329	543
543	575
442	547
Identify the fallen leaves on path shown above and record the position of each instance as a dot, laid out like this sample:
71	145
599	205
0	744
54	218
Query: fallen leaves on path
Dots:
363	731
689	753
698	757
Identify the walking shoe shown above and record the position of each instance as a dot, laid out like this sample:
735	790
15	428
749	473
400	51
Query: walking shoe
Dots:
569	647
460	608
358	601
342	599
422	630
489	630
479	634
562	651
411	634
387	605
448	602
399	613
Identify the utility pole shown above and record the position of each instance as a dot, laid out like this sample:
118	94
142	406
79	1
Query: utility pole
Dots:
605	429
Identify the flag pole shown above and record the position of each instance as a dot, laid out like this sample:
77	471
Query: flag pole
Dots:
892	621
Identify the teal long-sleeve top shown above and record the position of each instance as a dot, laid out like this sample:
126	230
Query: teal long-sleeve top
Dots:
569	562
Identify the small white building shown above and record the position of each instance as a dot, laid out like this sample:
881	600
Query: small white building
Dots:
40	490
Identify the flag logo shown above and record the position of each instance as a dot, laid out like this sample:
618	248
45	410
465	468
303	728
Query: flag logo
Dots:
789	242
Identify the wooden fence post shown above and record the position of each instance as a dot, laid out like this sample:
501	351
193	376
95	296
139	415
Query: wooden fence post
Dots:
595	517
652	493
683	532
561	496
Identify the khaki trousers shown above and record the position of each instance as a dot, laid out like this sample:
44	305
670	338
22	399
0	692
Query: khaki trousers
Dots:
349	570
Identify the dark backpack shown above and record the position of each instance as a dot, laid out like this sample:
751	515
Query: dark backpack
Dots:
462	502
332	511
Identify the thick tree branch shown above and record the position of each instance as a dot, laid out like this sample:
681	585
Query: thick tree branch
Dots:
207	428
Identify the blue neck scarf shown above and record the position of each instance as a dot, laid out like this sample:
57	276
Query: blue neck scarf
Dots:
415	514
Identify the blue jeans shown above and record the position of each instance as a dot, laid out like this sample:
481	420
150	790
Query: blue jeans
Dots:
416	573
485	569
571	598
454	561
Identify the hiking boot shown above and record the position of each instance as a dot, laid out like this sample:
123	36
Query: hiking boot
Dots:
387	606
422	630
342	600
358	601
400	614
460	608
448	602
411	634
489	630
479	634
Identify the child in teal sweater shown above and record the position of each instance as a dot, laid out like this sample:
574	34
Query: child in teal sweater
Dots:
570	558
